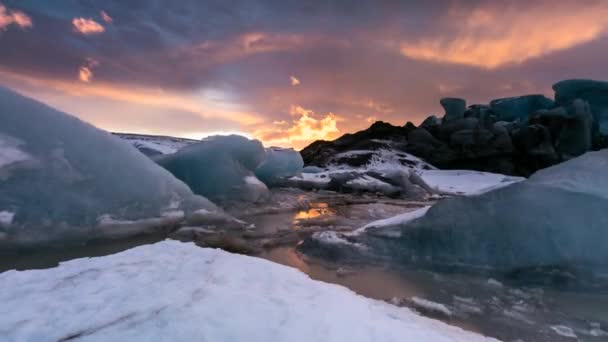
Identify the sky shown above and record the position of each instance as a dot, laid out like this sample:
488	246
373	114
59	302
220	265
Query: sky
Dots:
290	72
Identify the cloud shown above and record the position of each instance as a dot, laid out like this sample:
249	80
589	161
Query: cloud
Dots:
303	131
492	35
85	72
87	26
13	17
106	17
294	81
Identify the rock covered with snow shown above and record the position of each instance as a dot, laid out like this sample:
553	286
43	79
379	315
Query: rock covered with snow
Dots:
61	178
557	217
220	168
171	291
279	164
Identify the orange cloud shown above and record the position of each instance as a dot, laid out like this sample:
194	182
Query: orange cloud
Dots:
85	72
136	95
303	131
294	81
106	17
9	17
87	26
492	36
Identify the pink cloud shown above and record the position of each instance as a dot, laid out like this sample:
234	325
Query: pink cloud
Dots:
87	26
9	17
106	17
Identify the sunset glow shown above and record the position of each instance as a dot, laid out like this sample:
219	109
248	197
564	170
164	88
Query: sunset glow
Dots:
289	82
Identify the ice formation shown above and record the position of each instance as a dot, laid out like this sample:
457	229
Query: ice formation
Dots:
280	164
59	177
220	168
171	291
557	217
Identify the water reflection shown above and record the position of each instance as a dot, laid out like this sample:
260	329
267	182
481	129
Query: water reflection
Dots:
316	210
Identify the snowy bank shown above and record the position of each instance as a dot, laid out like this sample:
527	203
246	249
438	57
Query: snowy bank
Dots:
171	291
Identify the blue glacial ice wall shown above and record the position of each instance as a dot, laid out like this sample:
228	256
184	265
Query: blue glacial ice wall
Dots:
60	176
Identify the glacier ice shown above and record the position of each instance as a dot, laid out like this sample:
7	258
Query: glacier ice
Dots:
556	217
60	177
280	164
220	168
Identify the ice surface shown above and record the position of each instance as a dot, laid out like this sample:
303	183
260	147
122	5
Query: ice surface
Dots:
58	175
171	291
220	168
557	217
280	164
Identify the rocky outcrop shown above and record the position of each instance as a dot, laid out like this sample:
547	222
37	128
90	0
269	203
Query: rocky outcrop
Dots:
514	136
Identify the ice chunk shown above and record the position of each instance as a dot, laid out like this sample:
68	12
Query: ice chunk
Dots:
280	164
557	217
220	168
426	305
172	291
59	175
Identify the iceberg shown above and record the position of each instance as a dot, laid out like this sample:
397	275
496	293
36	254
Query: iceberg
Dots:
172	291
61	178
220	168
279	165
556	217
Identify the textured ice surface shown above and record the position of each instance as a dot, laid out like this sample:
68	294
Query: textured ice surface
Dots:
280	163
220	167
557	217
155	145
171	291
59	175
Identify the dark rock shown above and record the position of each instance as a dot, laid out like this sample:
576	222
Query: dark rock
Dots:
376	136
432	124
448	127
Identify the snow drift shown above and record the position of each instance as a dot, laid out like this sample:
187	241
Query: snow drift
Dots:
171	291
62	178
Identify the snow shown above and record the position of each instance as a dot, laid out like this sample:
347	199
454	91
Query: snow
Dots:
280	164
74	174
6	218
397	220
10	152
334	238
171	291
220	168
563	330
155	145
464	182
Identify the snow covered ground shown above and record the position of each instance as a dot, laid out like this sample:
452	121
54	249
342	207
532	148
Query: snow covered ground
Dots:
171	291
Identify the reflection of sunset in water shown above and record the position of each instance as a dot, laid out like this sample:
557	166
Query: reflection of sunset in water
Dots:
316	210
